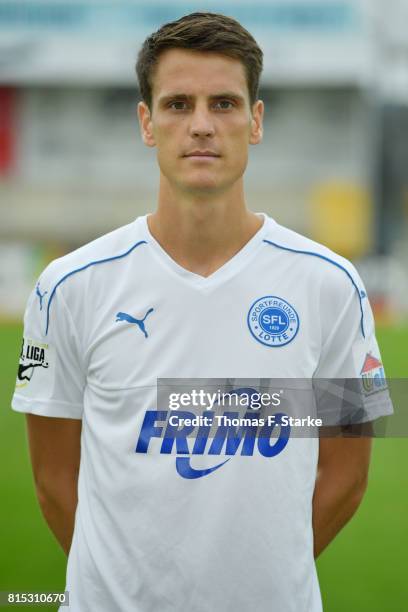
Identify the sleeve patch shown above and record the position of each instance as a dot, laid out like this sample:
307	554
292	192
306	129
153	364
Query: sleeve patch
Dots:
372	375
35	375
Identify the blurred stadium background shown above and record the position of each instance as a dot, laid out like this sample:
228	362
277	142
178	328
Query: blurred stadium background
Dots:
333	165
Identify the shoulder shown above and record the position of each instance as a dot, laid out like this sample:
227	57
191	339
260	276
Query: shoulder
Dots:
333	279
117	244
314	259
114	246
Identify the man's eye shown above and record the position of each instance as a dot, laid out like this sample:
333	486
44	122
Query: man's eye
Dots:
225	102
171	105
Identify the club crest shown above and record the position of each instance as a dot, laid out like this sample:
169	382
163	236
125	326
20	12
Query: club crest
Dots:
272	321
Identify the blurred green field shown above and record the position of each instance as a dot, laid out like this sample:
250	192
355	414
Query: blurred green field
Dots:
364	570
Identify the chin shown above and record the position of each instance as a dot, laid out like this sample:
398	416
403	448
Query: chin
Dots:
201	185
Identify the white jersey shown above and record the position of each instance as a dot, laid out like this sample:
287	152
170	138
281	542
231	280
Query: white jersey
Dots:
158	527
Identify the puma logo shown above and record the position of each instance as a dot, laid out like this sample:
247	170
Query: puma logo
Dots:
40	295
123	316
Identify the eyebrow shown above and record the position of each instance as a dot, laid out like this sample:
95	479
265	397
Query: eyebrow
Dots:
183	96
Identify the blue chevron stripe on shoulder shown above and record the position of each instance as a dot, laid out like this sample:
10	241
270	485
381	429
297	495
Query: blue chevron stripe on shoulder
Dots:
88	265
334	263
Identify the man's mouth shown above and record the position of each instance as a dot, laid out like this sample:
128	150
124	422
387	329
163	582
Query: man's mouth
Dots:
202	154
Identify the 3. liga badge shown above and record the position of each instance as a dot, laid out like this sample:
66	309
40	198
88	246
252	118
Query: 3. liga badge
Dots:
273	321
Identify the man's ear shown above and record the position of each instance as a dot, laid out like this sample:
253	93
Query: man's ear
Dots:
256	133
145	123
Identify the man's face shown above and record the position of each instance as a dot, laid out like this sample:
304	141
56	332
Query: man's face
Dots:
200	103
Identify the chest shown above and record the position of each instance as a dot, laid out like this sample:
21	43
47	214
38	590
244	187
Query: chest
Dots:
247	329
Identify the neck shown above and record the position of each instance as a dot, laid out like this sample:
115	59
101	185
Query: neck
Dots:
202	232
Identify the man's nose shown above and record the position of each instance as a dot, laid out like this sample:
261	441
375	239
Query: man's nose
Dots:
201	122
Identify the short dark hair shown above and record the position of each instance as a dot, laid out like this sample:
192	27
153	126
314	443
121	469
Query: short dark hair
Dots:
201	31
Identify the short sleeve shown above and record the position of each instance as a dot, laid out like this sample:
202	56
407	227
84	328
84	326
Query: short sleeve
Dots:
50	378
350	382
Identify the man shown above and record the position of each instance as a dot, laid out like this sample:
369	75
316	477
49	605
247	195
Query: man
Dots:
202	288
